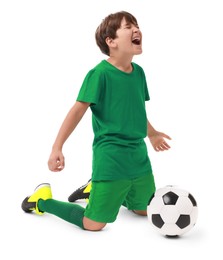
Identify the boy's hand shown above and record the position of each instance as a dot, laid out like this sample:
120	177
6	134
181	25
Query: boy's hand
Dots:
56	161
158	142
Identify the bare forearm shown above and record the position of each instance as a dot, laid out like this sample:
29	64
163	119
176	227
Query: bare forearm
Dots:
69	124
151	130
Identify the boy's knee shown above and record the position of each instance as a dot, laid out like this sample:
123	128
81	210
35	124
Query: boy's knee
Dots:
140	212
92	225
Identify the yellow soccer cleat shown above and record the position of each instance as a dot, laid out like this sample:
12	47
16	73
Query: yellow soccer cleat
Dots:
42	191
81	193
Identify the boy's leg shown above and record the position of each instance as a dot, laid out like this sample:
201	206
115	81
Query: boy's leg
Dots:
84	192
41	201
72	213
92	225
140	194
105	200
140	212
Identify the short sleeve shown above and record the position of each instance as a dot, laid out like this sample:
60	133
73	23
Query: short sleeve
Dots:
147	97
91	88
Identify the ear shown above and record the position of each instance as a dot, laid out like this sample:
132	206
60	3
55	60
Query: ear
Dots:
110	42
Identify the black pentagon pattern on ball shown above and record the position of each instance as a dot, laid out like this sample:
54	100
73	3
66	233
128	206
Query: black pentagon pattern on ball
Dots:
157	220
192	199
183	221
170	198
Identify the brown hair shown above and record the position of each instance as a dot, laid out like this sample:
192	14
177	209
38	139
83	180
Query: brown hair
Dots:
109	26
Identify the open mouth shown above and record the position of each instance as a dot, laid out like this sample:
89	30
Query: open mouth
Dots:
136	41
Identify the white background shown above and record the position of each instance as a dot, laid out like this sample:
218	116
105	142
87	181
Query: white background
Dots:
46	48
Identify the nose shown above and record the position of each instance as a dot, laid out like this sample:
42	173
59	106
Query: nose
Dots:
135	29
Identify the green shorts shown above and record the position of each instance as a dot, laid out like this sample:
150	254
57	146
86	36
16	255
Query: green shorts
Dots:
106	197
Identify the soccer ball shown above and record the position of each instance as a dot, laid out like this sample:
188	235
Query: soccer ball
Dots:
172	211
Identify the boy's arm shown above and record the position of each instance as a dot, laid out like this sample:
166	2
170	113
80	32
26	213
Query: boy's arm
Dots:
157	138
56	159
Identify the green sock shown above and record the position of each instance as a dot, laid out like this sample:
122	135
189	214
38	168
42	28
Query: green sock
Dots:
72	213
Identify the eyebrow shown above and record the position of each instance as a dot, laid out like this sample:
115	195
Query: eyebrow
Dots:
126	24
129	23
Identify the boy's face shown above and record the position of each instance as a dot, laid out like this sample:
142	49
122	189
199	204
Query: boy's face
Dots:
129	38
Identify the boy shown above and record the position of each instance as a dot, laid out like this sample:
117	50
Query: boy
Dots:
116	91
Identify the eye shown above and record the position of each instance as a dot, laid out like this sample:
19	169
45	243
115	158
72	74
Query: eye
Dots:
128	27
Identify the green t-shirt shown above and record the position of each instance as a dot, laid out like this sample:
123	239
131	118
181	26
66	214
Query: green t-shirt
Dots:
119	121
